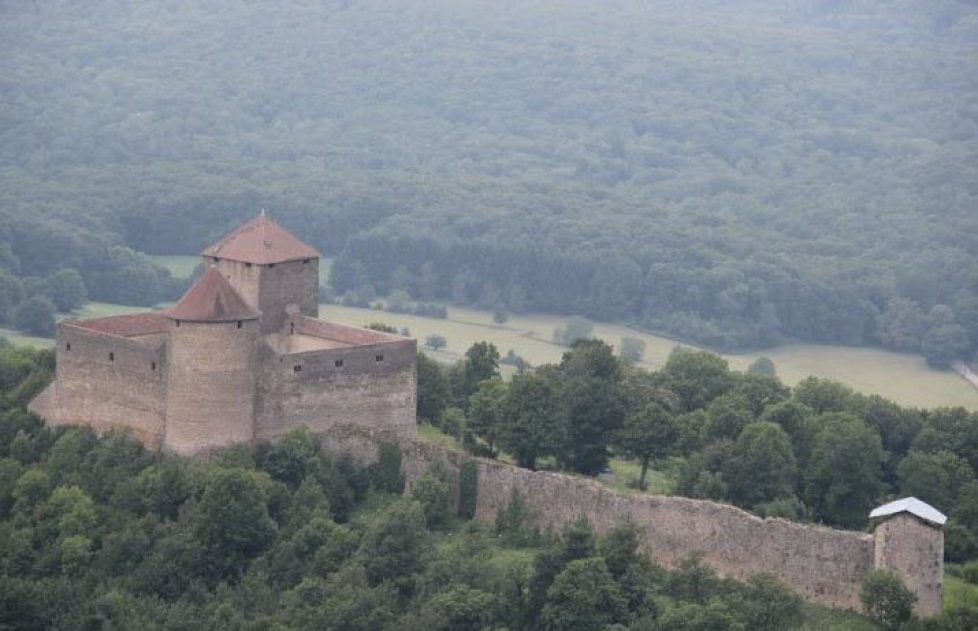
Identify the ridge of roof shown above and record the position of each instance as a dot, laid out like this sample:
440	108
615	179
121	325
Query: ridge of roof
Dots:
212	299
261	241
911	505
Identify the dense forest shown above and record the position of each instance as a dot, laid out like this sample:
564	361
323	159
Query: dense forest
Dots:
97	532
734	173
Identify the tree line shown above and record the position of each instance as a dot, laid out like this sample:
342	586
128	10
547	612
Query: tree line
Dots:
816	452
721	173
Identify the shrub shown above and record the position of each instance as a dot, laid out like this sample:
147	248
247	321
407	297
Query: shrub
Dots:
468	489
386	472
432	494
886	600
969	572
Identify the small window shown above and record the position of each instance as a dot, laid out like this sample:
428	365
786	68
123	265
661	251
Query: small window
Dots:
297	368
248	265
111	357
380	358
178	322
239	324
215	259
305	261
152	366
291	328
271	265
68	346
338	363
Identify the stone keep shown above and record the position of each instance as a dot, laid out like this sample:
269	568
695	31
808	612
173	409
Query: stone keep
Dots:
241	357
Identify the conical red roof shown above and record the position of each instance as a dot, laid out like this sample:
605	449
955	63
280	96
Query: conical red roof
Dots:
212	299
261	241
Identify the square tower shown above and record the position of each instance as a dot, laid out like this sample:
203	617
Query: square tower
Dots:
270	268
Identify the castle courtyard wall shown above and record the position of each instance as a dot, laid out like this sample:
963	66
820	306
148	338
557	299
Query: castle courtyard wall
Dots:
126	390
374	385
820	564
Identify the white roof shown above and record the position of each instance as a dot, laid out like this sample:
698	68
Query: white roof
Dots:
913	506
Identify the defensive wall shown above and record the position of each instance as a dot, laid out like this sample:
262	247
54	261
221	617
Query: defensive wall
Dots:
363	379
121	355
821	564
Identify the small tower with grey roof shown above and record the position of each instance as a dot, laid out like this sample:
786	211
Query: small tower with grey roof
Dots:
909	541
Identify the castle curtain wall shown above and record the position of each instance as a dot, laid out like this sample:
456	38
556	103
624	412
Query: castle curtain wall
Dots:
126	390
363	390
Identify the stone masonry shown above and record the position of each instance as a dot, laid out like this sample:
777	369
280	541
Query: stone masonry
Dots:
241	357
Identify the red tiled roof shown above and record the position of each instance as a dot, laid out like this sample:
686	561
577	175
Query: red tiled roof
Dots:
261	241
212	299
125	325
354	336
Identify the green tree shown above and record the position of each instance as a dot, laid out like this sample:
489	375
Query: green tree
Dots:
393	546
652	433
576	328
530	418
486	412
632	348
762	366
936	478
843	481
726	417
67	289
432	494
944	343
762	468
886	600
481	363
434	393
583	597
35	316
435	342
697	377
231	520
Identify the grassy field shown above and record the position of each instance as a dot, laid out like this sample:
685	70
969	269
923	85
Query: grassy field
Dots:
903	378
958	593
180	266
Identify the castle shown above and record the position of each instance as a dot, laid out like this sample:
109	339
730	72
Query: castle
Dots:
241	357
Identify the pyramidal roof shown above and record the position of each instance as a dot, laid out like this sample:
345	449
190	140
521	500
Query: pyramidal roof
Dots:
911	505
212	299
261	241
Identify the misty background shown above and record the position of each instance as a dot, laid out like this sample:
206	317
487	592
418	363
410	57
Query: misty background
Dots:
733	173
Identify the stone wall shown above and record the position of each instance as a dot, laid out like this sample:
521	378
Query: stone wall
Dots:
210	397
372	386
272	288
108	381
821	564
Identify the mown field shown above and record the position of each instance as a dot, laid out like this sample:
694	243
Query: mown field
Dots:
903	378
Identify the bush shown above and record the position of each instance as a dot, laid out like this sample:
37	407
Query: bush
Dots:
969	572
468	482
886	600
386	472
432	493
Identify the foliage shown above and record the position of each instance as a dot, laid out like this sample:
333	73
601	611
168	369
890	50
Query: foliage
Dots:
468	491
35	316
434	391
386	473
886	600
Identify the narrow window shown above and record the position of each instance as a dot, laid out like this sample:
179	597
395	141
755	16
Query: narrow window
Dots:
111	357
380	358
178	322
297	368
152	366
338	363
248	265
291	328
68	346
239	324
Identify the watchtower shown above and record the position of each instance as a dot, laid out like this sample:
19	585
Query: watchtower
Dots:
270	268
909	541
211	376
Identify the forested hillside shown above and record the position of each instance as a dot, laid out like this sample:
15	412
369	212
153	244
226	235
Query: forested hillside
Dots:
731	172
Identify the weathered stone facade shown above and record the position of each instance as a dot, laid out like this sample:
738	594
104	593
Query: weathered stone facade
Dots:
241	357
821	564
